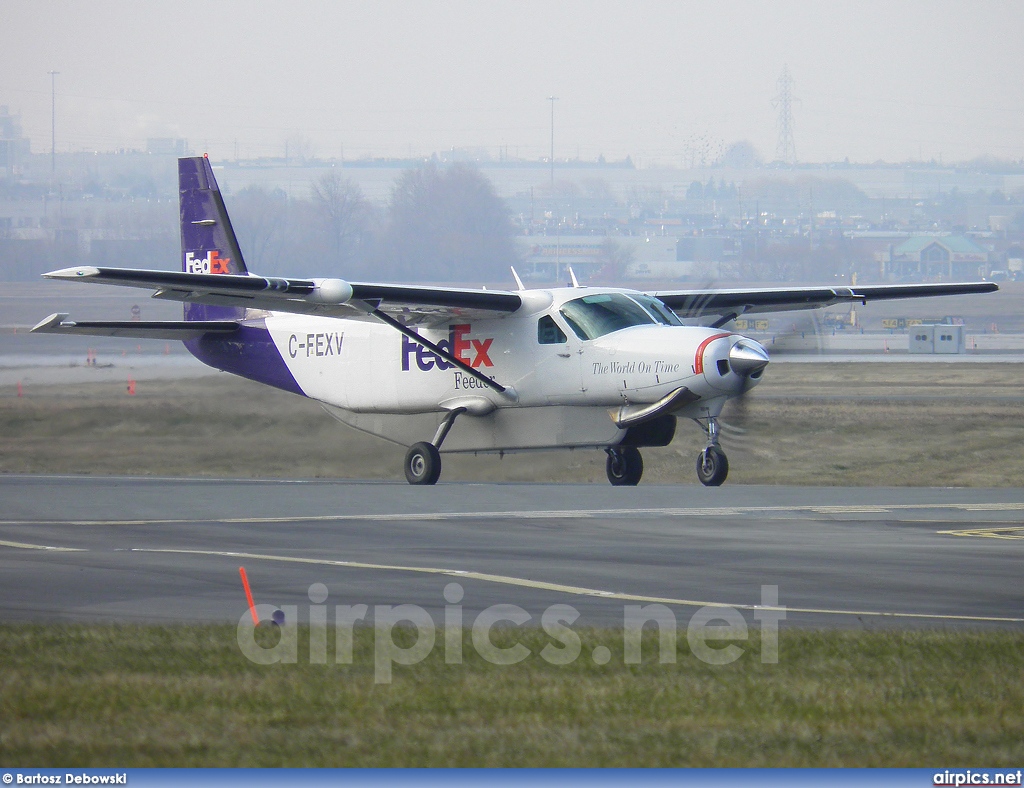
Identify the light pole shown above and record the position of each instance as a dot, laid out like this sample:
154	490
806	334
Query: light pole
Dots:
53	120
552	99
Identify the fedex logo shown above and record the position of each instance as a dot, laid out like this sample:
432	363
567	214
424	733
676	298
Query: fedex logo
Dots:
473	351
213	263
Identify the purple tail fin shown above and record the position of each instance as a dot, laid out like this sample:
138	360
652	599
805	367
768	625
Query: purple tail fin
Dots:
208	243
209	246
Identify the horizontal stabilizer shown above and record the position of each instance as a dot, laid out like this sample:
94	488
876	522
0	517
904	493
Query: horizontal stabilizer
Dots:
140	329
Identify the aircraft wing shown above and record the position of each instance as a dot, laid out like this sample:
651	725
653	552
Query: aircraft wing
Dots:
411	304
732	303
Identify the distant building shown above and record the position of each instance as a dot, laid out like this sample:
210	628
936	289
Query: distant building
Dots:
14	148
705	249
937	339
1015	261
548	257
167	146
937	258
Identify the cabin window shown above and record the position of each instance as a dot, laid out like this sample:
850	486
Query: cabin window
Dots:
548	332
595	315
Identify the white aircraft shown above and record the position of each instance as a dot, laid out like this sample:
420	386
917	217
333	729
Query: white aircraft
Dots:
461	370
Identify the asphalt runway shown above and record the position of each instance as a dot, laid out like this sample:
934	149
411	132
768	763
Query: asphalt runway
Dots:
169	550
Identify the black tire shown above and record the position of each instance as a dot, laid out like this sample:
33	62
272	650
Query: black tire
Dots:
712	466
422	464
624	466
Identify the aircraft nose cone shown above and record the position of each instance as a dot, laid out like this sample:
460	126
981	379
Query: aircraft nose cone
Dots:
748	358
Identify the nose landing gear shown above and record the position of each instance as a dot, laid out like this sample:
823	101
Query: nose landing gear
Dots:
712	464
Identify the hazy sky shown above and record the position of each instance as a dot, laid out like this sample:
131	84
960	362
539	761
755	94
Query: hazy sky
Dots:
876	79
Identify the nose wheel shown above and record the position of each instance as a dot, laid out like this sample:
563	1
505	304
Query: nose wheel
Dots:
712	464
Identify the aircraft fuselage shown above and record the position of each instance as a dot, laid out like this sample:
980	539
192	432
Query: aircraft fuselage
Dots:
366	367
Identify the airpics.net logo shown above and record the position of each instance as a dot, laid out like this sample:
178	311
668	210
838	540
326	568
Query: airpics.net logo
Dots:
213	263
705	632
957	778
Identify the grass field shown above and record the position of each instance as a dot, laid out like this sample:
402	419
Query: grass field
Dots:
184	696
829	424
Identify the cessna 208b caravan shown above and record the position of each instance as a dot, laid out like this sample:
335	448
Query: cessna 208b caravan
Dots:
461	370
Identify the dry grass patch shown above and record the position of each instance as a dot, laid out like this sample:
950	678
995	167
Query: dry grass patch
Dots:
836	424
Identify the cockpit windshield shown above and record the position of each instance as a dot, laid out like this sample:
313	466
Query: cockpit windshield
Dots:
593	316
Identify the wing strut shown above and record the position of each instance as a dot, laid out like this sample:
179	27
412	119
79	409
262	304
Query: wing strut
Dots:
437	350
729	316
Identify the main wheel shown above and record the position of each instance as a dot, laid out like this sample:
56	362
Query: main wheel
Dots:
712	466
624	466
423	464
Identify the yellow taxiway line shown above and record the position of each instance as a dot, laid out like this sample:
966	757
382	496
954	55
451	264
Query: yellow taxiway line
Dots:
24	546
1003	532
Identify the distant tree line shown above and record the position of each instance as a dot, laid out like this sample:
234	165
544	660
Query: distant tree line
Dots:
440	224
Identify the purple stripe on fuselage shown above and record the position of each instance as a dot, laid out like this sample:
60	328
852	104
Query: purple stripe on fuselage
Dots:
248	352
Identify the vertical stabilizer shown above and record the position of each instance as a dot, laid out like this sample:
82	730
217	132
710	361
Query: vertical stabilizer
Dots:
209	246
208	243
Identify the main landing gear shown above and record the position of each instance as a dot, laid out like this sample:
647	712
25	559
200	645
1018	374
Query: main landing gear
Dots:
624	466
423	460
423	464
712	464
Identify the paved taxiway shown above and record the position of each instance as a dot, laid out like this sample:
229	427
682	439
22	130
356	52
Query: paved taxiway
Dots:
128	549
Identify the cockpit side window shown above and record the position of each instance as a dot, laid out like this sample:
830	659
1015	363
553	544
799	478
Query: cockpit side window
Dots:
595	315
548	332
576	328
659	310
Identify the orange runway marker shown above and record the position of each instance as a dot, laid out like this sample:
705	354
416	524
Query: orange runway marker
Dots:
248	595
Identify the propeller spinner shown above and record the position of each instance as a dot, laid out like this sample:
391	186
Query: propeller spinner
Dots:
748	358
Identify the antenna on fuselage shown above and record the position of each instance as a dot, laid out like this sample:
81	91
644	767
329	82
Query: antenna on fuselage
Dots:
519	282
575	281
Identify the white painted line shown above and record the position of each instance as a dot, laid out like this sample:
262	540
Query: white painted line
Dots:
773	512
24	546
575	590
